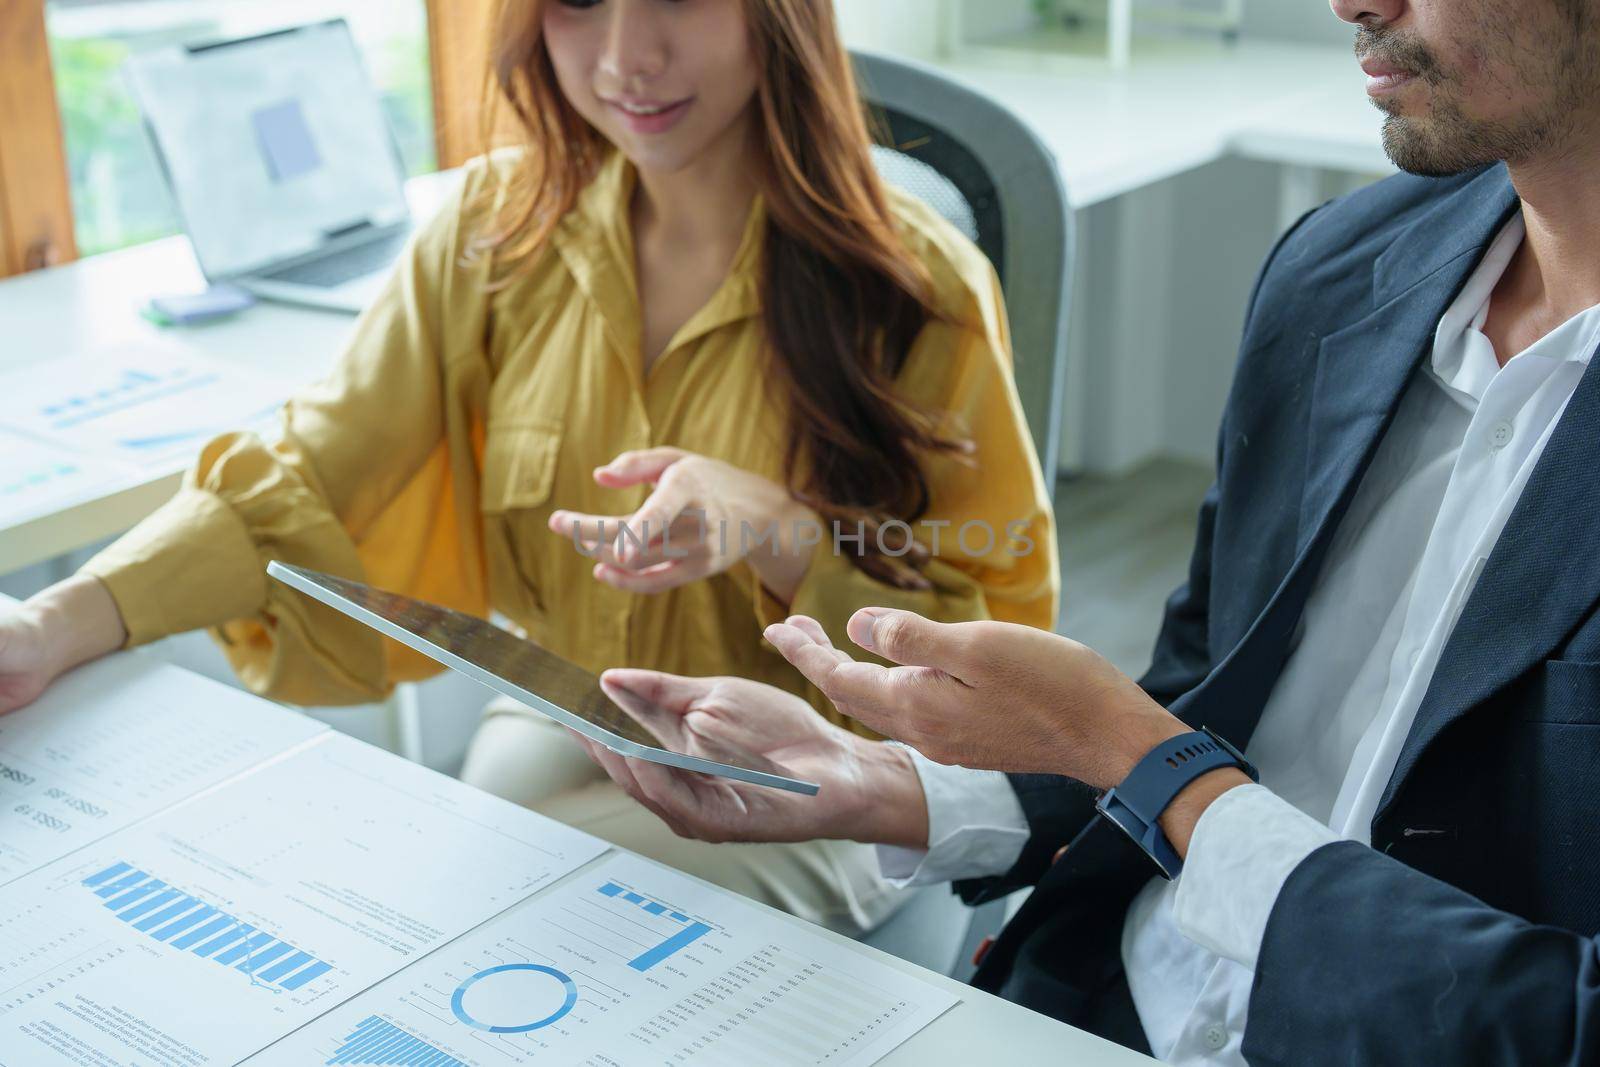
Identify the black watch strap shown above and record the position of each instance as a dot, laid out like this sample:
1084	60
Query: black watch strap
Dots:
1137	803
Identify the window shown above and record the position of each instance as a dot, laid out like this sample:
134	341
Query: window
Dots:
119	195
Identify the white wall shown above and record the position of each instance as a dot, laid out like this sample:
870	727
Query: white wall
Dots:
912	27
1163	275
1310	21
903	27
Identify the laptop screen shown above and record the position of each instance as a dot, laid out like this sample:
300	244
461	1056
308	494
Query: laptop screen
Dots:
273	144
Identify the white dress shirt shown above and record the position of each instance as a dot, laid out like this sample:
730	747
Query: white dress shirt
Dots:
1401	566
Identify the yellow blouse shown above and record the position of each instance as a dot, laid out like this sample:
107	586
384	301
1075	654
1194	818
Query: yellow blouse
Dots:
457	419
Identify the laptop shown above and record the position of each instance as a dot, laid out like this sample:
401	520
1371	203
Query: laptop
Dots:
281	162
526	672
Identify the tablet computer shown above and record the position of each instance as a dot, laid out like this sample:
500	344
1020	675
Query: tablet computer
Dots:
522	670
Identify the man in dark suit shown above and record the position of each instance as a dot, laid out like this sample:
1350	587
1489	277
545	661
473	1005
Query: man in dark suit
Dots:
1392	611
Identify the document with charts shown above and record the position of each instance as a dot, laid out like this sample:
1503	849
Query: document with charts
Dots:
627	963
118	740
206	932
141	403
38	477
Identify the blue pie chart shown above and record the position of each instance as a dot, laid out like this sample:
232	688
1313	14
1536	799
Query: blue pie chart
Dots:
500	1000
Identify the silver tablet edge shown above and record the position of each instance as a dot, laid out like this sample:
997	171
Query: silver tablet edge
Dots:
490	680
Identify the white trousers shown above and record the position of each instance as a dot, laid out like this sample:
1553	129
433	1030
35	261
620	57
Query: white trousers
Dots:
526	758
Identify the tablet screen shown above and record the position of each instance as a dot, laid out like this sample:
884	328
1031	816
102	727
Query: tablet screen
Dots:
516	667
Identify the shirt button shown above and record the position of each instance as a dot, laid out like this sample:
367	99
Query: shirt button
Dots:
1500	434
1215	1037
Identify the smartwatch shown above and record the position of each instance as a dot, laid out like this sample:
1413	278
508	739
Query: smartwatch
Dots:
1137	804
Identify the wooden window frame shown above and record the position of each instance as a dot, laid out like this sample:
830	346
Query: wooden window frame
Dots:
458	53
35	193
36	226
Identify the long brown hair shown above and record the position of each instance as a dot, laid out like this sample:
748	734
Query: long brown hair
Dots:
853	447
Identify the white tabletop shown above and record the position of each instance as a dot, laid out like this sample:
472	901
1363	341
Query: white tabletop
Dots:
982	1028
1182	105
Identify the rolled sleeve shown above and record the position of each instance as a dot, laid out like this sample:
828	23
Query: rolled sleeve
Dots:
193	542
976	828
1244	848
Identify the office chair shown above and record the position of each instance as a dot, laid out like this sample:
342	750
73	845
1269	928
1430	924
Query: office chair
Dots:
975	163
991	177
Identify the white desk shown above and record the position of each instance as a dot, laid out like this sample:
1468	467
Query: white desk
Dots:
980	1029
1185	105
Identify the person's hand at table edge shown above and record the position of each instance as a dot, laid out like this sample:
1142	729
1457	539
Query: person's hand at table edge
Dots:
47	635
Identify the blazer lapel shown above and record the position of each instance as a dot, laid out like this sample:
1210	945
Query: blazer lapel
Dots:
1362	371
1540	580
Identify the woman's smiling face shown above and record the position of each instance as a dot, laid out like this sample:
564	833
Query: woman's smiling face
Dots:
663	80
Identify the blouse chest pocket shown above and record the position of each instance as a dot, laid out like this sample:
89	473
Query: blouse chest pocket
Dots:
519	465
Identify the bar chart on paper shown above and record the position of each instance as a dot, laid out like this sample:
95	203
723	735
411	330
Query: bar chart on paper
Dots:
377	1041
211	930
105	405
185	923
675	929
38	476
627	963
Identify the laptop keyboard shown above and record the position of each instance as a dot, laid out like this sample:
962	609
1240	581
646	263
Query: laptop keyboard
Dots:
337	268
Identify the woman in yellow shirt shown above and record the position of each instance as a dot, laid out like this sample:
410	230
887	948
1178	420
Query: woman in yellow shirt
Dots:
686	302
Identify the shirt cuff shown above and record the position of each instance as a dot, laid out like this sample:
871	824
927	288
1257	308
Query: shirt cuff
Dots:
976	828
189	565
1244	848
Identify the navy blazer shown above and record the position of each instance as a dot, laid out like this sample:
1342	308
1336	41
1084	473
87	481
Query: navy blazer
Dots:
1466	933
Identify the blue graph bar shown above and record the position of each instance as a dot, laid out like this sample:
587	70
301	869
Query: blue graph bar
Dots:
243	949
136	893
278	970
166	914
110	872
377	1041
221	922
149	904
120	884
184	923
692	930
188	924
316	970
224	939
682	939
264	957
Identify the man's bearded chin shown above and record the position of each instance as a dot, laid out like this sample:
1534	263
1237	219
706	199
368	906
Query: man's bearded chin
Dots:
1446	142
1438	146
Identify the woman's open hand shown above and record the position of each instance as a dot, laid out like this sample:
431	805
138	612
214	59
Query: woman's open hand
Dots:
702	517
869	791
